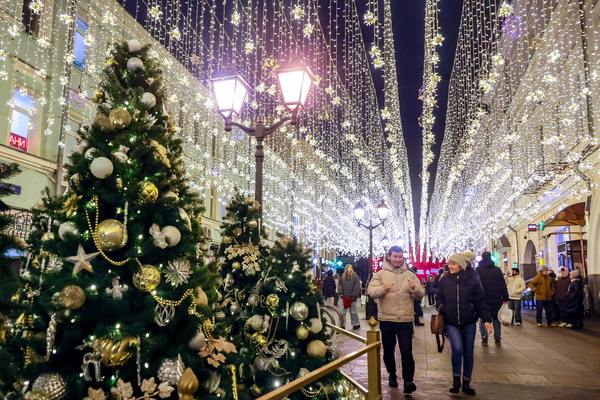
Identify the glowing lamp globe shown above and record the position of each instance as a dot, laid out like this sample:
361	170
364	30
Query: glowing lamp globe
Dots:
295	80
383	211
359	211
230	91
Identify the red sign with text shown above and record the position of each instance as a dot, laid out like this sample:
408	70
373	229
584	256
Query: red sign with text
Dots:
18	142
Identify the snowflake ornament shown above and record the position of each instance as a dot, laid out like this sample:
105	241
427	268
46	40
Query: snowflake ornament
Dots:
297	12
54	264
154	12
370	18
235	18
308	30
178	272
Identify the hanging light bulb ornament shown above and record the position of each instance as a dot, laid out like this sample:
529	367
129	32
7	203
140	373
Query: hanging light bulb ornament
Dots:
111	234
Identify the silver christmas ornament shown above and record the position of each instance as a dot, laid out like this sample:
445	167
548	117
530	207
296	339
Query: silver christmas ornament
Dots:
51	385
117	289
253	300
134	45
148	99
255	322
67	228
299	311
261	363
135	64
170	370
163	314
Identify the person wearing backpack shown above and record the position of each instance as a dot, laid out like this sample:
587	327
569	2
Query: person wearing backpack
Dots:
461	302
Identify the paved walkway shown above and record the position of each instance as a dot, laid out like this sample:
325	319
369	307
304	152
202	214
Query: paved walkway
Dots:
531	363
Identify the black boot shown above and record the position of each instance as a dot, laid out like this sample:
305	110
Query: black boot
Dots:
393	381
467	389
455	385
409	387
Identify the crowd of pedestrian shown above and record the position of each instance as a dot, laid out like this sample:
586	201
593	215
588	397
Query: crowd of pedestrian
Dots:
463	296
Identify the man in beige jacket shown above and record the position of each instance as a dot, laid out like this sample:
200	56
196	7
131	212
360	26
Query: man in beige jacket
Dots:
395	288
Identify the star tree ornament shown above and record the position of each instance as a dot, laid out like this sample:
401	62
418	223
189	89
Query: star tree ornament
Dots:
178	272
82	260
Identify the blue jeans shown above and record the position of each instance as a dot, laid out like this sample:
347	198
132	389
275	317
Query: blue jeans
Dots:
462	341
497	329
353	315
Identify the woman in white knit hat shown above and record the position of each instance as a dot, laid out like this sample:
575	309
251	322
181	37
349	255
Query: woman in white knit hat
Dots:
461	302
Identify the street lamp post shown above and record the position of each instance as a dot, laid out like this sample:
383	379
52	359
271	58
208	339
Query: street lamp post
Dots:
230	90
359	213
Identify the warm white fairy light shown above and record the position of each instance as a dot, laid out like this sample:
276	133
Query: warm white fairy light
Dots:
517	128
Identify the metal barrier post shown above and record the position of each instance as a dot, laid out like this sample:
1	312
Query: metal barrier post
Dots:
374	362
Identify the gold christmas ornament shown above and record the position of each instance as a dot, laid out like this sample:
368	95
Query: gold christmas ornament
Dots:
226	239
103	122
238	231
258	339
46	237
255	206
248	200
236	265
72	297
116	353
147	278
299	311
148	192
201	297
272	301
112	235
160	152
253	224
120	118
316	349
302	332
51	386
188	385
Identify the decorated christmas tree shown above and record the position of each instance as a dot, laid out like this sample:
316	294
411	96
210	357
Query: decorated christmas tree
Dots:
241	261
124	294
272	308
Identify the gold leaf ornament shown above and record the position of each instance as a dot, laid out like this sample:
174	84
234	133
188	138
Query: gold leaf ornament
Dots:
161	152
70	205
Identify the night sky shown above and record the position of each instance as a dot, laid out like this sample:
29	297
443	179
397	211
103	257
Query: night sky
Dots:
408	23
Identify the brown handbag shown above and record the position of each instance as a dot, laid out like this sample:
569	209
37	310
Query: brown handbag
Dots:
439	330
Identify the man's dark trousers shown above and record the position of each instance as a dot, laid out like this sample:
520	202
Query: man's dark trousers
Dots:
403	332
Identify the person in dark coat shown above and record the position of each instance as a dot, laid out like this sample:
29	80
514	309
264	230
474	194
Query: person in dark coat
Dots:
574	301
496	293
461	302
417	304
430	290
329	288
560	294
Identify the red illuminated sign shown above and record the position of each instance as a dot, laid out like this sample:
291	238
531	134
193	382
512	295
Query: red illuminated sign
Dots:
18	142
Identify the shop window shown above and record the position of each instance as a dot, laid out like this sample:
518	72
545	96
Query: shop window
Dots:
30	20
22	125
79	50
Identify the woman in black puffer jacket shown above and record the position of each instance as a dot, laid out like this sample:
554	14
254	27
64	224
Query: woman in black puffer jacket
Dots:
461	302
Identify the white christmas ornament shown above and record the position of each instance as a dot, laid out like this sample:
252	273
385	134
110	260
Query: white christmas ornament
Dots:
172	235
135	64
117	290
119	155
67	228
101	167
134	45
148	100
315	325
186	218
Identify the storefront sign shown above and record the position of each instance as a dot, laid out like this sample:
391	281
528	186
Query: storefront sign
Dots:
14	189
532	227
18	142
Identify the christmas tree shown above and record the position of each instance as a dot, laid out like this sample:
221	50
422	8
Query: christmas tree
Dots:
124	292
241	260
272	308
9	278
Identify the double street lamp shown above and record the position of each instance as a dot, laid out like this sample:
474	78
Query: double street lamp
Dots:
383	213
230	91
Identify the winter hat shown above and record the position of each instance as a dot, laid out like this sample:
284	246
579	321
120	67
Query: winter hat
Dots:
543	269
574	274
463	259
